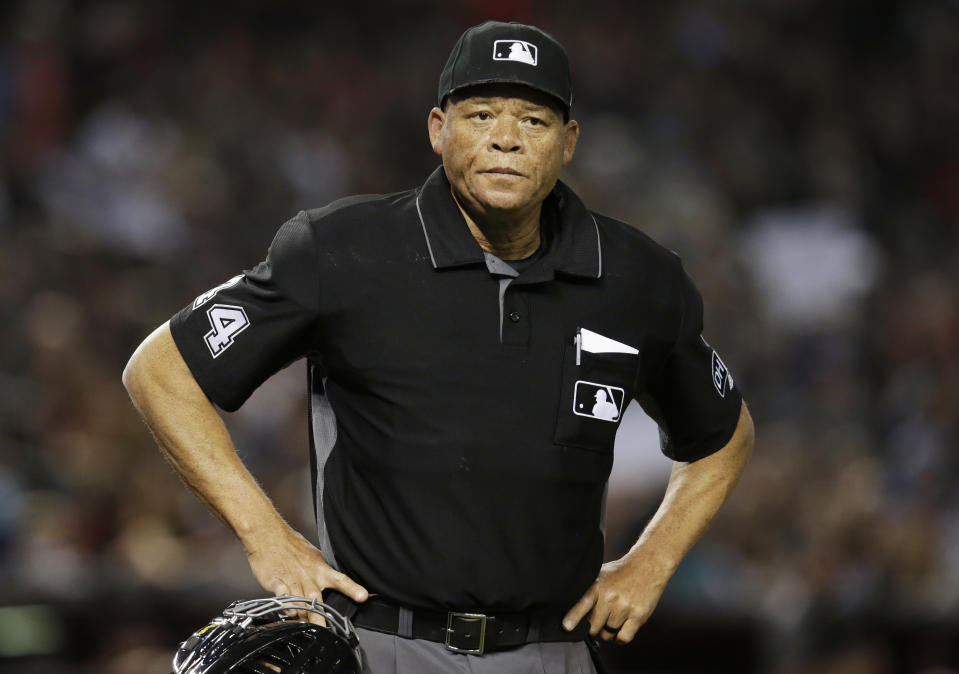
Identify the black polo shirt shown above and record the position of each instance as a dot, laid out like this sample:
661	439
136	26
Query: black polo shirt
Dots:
463	415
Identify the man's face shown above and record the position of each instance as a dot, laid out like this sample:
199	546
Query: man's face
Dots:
502	148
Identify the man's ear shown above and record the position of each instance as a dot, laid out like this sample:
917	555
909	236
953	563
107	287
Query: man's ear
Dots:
435	124
571	132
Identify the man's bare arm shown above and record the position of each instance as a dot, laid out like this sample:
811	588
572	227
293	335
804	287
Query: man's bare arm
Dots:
192	436
629	588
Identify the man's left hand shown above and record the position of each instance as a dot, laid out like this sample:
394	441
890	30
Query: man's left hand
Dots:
620	600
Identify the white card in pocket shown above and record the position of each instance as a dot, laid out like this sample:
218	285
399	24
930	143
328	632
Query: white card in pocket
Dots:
593	342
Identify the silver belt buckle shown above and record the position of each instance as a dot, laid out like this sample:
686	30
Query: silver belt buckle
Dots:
470	619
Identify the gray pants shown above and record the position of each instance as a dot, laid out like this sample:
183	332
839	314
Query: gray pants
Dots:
390	654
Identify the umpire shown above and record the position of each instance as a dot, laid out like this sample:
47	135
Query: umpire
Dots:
471	346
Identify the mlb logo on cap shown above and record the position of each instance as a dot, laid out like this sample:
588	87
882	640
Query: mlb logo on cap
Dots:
515	50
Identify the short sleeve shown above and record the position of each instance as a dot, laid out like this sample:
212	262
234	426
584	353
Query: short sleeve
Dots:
694	397
236	335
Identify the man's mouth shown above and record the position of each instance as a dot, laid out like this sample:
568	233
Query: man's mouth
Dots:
503	171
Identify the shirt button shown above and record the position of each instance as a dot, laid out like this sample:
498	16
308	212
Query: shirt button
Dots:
514	316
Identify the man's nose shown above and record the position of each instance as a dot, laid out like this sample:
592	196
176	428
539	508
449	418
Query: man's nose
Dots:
504	137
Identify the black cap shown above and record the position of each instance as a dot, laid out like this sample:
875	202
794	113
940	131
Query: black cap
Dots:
508	53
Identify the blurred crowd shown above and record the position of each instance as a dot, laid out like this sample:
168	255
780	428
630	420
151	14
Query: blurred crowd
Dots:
801	155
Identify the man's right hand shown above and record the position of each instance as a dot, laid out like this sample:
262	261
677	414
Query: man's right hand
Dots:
287	563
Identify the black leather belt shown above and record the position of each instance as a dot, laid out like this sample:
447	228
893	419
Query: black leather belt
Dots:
461	632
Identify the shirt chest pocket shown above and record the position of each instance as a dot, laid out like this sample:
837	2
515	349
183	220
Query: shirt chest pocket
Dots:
595	390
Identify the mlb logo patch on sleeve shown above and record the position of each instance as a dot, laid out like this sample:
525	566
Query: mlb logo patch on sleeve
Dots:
722	379
598	401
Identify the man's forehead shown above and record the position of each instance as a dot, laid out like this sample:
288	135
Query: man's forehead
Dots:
501	93
519	100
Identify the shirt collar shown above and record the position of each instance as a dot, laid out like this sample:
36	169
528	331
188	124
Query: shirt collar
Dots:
577	250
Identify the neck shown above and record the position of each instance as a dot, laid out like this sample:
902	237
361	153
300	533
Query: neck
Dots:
511	236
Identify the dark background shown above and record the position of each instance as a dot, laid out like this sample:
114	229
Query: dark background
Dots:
801	155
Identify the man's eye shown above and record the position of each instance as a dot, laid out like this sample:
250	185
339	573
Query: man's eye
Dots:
483	116
535	121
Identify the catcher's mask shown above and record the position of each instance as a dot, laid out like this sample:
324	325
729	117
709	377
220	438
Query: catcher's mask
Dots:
257	637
